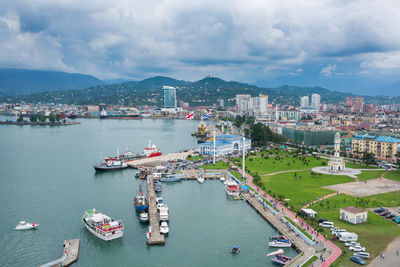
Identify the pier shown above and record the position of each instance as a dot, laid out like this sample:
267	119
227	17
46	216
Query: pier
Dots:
154	161
155	238
70	254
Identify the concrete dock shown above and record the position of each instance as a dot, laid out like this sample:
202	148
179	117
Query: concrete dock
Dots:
154	161
156	238
70	254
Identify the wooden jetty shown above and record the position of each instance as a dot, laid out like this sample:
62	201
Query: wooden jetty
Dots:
70	254
155	238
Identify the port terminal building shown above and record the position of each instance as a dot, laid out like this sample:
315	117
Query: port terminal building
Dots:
225	144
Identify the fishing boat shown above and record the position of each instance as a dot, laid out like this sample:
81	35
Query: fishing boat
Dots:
141	201
235	249
279	251
232	189
102	226
110	164
281	260
280	244
172	177
142	174
23	225
144	217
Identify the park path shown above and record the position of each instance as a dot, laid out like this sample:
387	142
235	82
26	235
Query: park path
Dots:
322	198
321	239
273	173
391	253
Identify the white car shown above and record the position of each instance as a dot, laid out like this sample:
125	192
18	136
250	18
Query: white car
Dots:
357	248
363	255
352	244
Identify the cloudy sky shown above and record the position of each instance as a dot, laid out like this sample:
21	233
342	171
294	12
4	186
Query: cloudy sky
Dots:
346	45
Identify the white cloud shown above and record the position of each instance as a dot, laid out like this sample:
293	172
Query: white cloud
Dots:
382	61
328	70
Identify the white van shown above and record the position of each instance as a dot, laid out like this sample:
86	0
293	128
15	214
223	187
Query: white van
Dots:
347	236
326	224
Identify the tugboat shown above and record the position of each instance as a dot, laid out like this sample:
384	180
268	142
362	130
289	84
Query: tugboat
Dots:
141	201
102	226
110	164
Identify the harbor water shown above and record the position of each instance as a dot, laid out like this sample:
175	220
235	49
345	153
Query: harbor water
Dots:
47	177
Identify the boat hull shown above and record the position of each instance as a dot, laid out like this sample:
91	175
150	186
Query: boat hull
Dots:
105	168
142	208
107	237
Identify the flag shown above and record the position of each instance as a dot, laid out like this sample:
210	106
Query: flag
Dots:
206	116
190	116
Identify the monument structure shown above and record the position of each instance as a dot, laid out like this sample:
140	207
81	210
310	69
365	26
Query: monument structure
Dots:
336	163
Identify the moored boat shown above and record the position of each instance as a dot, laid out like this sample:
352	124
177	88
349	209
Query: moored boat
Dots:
142	174
23	225
172	177
102	226
144	217
232	188
141	201
200	179
110	164
164	229
279	251
281	260
152	151
280	244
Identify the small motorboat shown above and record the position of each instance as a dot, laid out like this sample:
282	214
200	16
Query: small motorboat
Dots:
23	225
280	244
144	217
281	260
164	229
200	179
222	179
235	249
279	251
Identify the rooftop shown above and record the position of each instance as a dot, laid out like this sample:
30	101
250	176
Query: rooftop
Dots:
353	210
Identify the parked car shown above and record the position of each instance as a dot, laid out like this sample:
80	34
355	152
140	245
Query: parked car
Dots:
357	259
363	255
357	248
384	213
326	224
379	210
351	244
390	216
321	220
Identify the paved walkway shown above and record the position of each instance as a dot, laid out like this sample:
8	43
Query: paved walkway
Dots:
391	253
273	173
331	257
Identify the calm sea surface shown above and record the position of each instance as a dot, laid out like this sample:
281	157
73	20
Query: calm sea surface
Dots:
46	176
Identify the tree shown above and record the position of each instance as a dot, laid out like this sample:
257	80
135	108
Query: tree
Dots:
250	121
33	118
42	118
398	159
369	159
52	118
20	118
58	117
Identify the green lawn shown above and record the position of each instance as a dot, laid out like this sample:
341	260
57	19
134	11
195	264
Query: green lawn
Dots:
374	235
275	164
302	188
360	166
218	165
394	175
193	158
310	261
368	175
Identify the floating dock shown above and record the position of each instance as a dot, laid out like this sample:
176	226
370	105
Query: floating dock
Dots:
155	238
70	254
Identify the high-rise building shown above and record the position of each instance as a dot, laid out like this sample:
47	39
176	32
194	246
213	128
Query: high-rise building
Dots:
169	98
359	104
349	101
263	104
304	101
243	102
315	101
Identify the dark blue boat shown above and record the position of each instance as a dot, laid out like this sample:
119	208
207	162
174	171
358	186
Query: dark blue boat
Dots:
141	201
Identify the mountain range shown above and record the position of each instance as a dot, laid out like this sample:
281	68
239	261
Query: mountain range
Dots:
206	91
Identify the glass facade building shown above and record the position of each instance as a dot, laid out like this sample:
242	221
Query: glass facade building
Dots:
169	97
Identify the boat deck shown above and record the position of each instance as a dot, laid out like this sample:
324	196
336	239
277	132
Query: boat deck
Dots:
156	237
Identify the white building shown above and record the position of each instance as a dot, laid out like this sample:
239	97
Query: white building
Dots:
315	101
243	102
263	104
336	163
353	215
304	101
225	144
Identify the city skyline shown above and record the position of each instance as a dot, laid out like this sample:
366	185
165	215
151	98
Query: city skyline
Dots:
348	46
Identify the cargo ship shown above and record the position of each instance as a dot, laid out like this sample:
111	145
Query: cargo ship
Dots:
120	116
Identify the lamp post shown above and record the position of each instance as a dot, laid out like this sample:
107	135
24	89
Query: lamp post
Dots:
214	149
243	156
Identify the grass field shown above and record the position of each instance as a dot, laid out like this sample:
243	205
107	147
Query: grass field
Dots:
194	158
218	165
360	166
394	175
369	175
275	164
302	188
373	235
310	261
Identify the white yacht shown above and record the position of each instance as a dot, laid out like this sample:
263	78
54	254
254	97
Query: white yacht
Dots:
200	179
232	189
102	226
164	229
280	244
23	225
222	179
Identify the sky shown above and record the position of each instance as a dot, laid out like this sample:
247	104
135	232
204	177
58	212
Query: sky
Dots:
343	45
